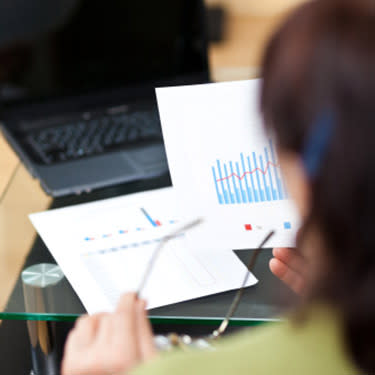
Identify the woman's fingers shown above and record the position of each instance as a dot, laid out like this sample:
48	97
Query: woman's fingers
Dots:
110	343
142	327
83	334
289	276
125	335
104	343
291	257
86	328
290	267
145	336
79	348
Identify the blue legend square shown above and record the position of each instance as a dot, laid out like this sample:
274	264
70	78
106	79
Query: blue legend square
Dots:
287	225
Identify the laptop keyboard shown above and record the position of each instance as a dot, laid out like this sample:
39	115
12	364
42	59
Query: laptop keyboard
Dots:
94	136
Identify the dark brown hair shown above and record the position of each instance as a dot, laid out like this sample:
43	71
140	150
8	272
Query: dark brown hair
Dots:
323	59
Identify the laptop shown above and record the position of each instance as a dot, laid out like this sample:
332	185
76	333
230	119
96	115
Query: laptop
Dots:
77	80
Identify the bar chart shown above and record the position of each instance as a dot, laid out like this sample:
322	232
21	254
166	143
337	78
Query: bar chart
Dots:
141	220
251	179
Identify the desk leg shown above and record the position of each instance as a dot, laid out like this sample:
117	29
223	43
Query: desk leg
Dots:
44	348
42	288
47	341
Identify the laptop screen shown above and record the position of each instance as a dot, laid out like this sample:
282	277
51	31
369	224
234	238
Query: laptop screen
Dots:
65	47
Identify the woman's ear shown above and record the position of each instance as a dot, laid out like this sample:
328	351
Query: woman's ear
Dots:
296	181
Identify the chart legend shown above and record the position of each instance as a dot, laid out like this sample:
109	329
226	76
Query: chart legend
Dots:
287	225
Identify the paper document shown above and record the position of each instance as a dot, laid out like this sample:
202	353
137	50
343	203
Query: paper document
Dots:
104	248
224	165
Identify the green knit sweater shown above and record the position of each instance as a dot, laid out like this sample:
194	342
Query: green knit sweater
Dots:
313	346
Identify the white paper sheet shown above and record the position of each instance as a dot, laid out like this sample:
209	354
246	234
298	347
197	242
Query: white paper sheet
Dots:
224	166
104	247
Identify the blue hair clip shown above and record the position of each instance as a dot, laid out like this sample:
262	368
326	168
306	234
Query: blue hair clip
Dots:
317	143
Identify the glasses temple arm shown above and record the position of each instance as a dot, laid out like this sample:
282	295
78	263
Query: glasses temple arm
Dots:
237	299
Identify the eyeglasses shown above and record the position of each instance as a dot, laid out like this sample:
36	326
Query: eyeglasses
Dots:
185	341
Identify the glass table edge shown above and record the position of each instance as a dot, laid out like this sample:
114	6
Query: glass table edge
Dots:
155	319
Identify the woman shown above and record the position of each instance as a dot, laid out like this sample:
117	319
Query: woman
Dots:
318	100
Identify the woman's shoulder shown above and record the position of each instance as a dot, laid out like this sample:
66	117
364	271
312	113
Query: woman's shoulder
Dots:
313	344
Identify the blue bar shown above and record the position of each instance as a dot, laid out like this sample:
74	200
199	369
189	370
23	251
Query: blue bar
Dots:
284	188
256	198
274	193
228	186
222	183
244	199
279	188
148	217
246	182
268	195
238	198
258	179
274	196
217	187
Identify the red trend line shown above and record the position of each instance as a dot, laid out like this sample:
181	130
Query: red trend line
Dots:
250	172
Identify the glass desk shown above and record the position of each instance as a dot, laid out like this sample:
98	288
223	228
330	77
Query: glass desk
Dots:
47	308
262	302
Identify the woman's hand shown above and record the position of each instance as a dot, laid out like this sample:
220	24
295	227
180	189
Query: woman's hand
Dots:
110	343
290	267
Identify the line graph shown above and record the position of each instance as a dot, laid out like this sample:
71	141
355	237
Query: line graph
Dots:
241	177
252	179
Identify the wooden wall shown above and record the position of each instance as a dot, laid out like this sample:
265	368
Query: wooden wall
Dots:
255	7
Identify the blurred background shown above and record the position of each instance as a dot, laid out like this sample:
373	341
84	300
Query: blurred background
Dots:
246	26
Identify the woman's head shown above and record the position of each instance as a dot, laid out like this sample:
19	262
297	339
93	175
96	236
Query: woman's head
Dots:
319	68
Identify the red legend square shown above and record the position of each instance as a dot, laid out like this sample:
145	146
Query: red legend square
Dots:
248	227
